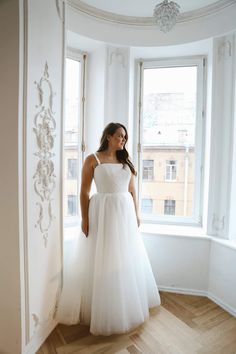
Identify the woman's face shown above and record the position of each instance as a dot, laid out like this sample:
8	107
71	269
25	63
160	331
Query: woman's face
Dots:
117	140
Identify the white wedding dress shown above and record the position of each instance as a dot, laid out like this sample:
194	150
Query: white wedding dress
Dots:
108	281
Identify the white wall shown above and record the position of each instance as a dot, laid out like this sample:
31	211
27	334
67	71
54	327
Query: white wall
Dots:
222	275
179	263
194	265
10	308
30	268
42	169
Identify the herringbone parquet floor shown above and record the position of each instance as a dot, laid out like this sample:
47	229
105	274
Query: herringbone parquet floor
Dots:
183	324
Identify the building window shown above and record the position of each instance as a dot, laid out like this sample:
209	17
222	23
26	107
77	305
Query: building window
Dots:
72	205
72	169
170	134
148	170
170	170
147	205
169	207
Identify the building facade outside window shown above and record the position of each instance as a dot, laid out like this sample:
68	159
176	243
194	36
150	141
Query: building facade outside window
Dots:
148	170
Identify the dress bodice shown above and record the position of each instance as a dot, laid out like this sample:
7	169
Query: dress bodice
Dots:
112	177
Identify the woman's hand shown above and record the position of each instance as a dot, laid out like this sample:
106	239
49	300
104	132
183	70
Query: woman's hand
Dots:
85	226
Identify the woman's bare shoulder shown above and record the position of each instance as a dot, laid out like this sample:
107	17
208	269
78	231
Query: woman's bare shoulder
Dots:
90	160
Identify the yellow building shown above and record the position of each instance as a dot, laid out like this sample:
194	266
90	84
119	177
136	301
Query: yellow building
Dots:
167	180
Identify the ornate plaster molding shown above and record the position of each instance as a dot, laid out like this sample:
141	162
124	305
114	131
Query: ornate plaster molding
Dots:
36	320
44	177
225	49
38	323
117	55
218	223
92	11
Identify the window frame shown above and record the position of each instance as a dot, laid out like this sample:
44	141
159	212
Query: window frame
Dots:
152	171
77	55
140	66
171	172
169	206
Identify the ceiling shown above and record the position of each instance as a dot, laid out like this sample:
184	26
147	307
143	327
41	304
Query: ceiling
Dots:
144	8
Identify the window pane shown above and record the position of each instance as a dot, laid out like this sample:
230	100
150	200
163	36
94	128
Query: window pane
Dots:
72	205
169	127
147	205
71	145
148	169
170	170
72	169
169	207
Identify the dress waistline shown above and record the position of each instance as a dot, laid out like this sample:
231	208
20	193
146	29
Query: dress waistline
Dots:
127	192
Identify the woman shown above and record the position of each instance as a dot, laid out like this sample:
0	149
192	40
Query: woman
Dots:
108	282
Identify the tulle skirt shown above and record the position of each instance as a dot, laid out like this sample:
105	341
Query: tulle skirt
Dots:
108	281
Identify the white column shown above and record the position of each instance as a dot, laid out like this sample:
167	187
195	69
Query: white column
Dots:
96	96
221	136
117	85
232	215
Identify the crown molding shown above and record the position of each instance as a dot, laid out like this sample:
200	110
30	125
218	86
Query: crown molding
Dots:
188	16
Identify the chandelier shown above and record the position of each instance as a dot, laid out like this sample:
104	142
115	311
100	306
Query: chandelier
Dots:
166	14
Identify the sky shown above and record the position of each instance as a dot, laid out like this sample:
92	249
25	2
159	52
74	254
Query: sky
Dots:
164	80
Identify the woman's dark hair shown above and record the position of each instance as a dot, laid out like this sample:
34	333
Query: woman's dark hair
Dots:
122	155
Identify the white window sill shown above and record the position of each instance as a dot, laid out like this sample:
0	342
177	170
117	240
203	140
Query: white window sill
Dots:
225	242
184	231
173	230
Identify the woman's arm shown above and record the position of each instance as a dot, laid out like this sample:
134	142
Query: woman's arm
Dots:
133	193
86	182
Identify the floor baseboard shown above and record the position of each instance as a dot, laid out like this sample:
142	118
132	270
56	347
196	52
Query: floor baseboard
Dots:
208	294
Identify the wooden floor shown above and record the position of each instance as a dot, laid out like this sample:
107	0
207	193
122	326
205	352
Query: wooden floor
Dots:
183	324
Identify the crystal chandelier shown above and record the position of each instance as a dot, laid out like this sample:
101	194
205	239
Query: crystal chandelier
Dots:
166	14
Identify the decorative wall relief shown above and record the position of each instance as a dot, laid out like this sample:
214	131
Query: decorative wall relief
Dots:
51	315
44	177
117	55
225	49
218	224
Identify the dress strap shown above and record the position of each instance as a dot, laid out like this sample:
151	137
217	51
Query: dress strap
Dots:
97	159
